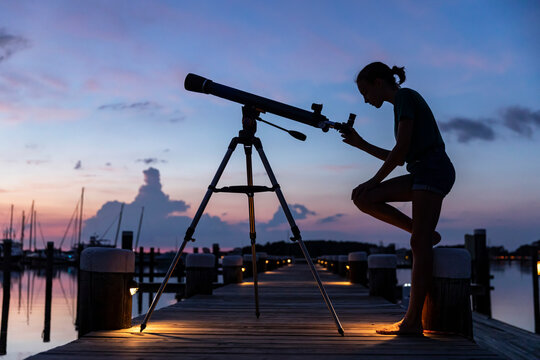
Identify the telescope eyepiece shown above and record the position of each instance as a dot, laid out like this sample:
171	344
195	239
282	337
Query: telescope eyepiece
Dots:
197	83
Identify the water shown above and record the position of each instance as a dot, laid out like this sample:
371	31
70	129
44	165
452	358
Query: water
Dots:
511	303
512	298
27	310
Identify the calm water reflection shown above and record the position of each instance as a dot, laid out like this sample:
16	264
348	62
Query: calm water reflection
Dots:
512	299
27	310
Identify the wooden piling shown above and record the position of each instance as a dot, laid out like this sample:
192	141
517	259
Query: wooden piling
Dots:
48	291
382	276
105	303
232	269
358	267
141	279
6	285
536	303
199	274
480	274
127	240
262	258
343	262
447	307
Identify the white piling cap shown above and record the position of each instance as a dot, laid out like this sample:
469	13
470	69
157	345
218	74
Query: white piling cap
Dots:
107	260
451	263
382	261
358	256
200	260
232	260
343	258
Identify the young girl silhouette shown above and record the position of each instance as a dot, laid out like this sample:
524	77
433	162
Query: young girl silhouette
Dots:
431	176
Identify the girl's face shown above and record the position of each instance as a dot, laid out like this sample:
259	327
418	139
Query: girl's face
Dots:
372	93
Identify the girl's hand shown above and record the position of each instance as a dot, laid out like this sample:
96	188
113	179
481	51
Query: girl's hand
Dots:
370	184
352	138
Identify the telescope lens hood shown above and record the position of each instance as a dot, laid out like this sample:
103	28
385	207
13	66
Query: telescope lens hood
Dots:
196	83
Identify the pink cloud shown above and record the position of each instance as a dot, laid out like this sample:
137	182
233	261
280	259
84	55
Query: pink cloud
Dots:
17	113
470	60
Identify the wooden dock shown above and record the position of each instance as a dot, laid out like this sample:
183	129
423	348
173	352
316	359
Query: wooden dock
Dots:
294	324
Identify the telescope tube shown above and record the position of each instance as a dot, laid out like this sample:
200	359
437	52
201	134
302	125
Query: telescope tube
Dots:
203	85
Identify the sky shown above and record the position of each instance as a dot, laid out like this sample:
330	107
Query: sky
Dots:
92	95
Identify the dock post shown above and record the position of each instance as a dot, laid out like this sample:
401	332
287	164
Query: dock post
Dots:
535	270
476	245
262	261
447	307
382	276
48	291
105	302
6	286
127	240
358	267
141	280
199	274
343	261
232	269
248	265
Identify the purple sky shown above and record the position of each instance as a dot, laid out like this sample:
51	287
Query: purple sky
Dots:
91	94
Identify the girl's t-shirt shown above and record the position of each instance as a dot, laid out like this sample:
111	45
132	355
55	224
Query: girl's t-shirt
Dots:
425	134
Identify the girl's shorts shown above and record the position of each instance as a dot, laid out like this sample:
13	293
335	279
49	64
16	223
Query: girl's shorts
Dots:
434	172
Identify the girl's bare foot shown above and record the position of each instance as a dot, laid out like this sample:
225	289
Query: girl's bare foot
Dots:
400	329
436	238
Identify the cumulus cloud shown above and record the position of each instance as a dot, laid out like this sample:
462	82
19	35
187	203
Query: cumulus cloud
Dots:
468	129
165	220
330	219
160	213
136	106
10	44
521	120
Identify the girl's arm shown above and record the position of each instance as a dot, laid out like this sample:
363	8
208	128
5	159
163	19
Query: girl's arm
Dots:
352	138
396	157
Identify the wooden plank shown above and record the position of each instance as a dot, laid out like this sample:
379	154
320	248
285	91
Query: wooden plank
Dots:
294	323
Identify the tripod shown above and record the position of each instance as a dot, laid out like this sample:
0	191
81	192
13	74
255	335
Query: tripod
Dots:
247	138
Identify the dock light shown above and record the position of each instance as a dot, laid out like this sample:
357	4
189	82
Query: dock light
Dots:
243	269
266	262
538	268
347	267
133	287
289	261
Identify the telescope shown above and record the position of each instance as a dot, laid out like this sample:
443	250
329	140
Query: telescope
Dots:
261	104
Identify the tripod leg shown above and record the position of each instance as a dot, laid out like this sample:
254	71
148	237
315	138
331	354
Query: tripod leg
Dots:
296	233
191	229
252	233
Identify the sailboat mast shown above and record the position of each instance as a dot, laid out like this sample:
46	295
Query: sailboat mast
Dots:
35	230
31	226
11	224
22	232
80	218
119	222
